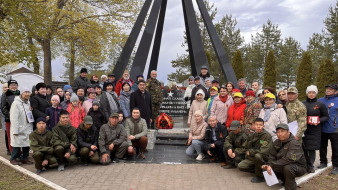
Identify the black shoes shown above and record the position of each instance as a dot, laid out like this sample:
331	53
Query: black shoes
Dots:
257	179
322	165
334	170
310	170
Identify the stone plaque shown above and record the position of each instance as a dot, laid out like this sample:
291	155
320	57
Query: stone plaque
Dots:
173	103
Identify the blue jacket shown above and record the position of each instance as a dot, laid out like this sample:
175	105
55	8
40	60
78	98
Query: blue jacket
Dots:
331	103
125	103
54	114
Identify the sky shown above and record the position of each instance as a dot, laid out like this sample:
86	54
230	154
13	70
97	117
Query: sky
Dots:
296	18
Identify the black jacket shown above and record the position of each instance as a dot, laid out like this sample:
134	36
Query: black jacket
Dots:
144	104
194	91
98	118
40	103
221	134
312	135
80	82
6	102
87	138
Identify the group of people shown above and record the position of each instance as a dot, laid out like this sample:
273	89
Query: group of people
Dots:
91	120
248	128
103	121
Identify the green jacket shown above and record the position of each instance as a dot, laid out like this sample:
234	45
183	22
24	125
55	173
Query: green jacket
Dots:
41	142
285	153
142	128
154	88
110	134
235	142
64	136
258	143
296	110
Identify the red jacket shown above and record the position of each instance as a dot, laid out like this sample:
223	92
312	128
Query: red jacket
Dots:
119	84
236	112
76	115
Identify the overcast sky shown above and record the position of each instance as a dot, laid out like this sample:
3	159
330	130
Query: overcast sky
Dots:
296	18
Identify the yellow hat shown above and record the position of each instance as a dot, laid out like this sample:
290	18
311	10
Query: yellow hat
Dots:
238	94
214	88
270	95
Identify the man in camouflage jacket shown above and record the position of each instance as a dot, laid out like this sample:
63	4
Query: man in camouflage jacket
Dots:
154	88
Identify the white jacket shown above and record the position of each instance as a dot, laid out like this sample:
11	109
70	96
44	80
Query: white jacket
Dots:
20	128
277	116
188	93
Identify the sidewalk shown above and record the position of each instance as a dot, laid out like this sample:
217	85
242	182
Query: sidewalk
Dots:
155	176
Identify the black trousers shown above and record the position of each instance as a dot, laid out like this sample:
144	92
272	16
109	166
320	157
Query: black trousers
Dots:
333	137
310	156
288	173
218	150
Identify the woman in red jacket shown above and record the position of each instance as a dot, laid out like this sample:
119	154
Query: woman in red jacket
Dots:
236	110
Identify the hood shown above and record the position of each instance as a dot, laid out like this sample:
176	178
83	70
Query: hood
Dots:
200	91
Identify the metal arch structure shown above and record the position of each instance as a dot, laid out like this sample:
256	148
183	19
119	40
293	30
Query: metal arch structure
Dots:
154	28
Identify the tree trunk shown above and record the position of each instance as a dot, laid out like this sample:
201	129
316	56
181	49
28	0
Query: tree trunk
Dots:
35	60
72	62
47	61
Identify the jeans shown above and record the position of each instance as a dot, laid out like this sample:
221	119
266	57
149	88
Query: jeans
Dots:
16	153
196	145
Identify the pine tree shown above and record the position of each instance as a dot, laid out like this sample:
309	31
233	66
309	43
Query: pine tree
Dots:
326	75
304	75
237	64
270	70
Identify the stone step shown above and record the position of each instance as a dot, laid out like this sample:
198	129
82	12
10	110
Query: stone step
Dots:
161	136
170	142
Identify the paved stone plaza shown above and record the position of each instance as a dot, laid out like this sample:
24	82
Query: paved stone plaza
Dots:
161	170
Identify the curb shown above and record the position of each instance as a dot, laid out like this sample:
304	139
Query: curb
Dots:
312	175
31	174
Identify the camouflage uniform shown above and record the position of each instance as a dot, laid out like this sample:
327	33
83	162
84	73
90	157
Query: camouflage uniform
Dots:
236	143
296	110
154	88
258	145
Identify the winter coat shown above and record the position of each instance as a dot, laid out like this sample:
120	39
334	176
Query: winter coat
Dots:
87	137
251	113
125	103
296	110
87	105
220	109
134	87
105	105
331	103
54	116
286	153
154	88
205	77
20	128
111	134
236	112
197	130
6	102
313	133
39	104
80	82
76	115
142	128
277	116
64	105
220	132
98	118
236	142
144	104
187	94
42	143
119	84
194	92
197	105
64	136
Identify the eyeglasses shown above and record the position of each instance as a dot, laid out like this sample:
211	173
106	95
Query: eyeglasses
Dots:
281	94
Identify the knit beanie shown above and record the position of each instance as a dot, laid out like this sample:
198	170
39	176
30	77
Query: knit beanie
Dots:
66	87
250	93
198	112
56	97
74	97
312	88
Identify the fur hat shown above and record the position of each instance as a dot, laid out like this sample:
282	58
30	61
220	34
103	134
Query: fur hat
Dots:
200	91
40	85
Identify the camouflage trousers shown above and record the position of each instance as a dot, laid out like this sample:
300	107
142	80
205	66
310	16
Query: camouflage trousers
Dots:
253	164
39	157
156	111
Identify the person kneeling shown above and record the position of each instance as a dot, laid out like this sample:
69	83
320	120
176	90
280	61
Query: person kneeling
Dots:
40	143
257	151
286	158
87	136
112	140
196	136
64	141
214	139
234	150
136	129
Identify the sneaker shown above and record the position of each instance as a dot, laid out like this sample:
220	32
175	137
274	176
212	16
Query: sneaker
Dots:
322	165
27	161
61	167
38	172
15	162
310	170
334	170
257	179
229	166
200	156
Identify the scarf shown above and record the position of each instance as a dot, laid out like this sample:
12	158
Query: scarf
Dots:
249	104
223	99
268	111
113	103
135	122
17	92
210	103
